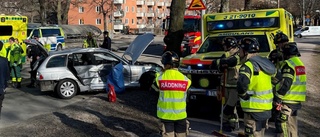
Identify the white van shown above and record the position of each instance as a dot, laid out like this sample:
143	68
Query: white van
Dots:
308	31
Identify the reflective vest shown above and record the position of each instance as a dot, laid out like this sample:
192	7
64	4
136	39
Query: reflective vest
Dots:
90	43
260	89
15	53
298	88
173	87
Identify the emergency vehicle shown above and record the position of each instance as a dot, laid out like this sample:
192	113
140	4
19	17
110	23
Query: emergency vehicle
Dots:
13	26
259	24
192	35
52	37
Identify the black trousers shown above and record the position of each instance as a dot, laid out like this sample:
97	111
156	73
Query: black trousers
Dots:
175	127
1	100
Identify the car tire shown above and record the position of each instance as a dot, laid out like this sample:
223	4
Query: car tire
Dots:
59	48
147	79
299	36
67	88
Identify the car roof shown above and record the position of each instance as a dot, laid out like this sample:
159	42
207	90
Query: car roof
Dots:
78	50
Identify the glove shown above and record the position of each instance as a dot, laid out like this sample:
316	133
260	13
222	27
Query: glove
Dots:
245	96
277	102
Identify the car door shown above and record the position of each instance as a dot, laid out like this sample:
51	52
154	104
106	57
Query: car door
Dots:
82	63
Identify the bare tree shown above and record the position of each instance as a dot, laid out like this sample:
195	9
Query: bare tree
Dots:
224	6
247	4
42	11
175	34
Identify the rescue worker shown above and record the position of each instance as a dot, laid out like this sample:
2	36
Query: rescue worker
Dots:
172	86
33	56
4	77
255	88
276	56
291	93
15	63
90	42
230	61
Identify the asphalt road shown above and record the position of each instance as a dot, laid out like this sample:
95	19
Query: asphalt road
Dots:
22	104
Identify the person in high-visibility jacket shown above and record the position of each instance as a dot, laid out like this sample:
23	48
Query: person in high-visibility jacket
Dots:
276	55
291	92
255	88
230	61
172	86
90	42
15	62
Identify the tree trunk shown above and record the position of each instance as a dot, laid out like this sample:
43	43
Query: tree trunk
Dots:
104	14
224	6
64	14
42	11
175	34
59	12
247	4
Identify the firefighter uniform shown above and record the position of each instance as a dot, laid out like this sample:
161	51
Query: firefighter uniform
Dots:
255	88
15	63
230	61
90	42
171	108
291	92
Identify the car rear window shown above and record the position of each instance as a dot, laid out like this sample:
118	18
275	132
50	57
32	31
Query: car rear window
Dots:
57	61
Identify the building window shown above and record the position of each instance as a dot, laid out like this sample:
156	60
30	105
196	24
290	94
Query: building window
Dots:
81	9
98	21
132	9
126	21
98	9
81	21
132	21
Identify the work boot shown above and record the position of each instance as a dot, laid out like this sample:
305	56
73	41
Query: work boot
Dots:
226	127
19	85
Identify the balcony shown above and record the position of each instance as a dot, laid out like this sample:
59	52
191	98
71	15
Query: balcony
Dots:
160	4
167	4
118	27
117	14
150	14
141	26
117	1
150	3
150	26
140	2
161	15
140	14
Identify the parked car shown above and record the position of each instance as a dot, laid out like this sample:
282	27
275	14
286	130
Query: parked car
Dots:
308	31
71	71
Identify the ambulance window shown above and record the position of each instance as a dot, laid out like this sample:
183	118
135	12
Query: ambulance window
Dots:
5	30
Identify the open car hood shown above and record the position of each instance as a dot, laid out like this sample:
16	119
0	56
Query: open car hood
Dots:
138	46
34	42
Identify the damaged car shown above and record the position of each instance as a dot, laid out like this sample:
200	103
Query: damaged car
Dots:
76	70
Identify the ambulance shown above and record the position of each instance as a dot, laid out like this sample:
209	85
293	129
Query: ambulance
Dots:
13	26
259	24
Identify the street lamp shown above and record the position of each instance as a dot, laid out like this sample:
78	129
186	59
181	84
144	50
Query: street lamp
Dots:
303	16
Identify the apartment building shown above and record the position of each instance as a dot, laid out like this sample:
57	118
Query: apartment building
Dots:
135	14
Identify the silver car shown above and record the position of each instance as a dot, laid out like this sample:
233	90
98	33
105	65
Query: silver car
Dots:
77	70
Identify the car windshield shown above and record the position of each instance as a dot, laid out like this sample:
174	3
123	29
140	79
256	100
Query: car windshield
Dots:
50	32
213	44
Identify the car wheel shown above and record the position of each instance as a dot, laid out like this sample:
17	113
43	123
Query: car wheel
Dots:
67	89
299	36
59	47
147	79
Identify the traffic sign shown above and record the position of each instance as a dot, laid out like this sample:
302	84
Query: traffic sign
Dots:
196	5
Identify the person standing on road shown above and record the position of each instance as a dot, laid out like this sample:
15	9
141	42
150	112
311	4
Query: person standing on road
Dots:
255	88
34	55
230	61
90	42
172	86
4	78
291	92
106	41
15	63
